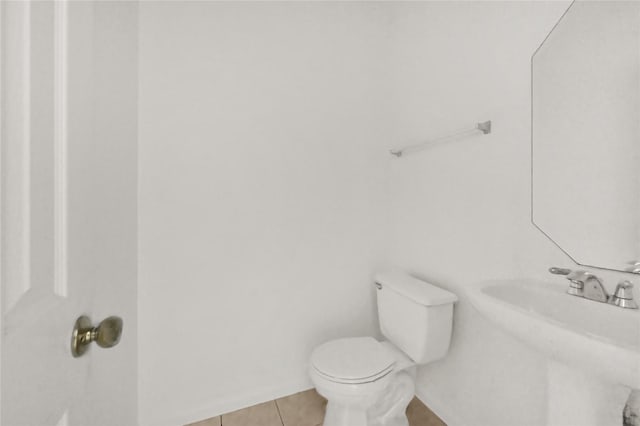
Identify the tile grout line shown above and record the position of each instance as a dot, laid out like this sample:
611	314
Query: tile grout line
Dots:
279	414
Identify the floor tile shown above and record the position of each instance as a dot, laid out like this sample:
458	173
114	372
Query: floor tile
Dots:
420	415
265	414
302	409
214	421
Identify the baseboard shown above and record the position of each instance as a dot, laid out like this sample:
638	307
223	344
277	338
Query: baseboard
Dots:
442	410
237	402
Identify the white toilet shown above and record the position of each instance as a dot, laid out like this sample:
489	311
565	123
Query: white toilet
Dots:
370	383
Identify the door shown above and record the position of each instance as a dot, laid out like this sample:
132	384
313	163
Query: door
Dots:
68	209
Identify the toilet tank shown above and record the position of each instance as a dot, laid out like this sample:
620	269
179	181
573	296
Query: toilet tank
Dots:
417	317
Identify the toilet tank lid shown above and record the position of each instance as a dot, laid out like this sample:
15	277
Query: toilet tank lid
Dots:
422	292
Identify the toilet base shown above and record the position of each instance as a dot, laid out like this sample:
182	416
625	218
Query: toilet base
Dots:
340	415
391	408
388	410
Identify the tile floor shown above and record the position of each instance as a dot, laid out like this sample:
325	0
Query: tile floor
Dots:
304	409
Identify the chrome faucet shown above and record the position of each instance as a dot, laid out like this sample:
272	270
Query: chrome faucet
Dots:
594	289
583	284
587	285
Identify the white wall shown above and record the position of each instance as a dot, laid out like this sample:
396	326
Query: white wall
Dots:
459	208
263	135
461	211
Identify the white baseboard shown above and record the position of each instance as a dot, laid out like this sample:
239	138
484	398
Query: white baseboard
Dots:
236	402
442	410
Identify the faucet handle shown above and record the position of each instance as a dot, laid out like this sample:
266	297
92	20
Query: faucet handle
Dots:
559	271
623	296
576	279
573	276
623	288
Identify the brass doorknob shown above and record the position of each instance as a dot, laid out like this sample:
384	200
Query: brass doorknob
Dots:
106	334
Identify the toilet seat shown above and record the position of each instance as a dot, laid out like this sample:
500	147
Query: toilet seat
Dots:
353	360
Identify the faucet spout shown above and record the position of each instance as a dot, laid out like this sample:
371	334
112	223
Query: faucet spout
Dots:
594	289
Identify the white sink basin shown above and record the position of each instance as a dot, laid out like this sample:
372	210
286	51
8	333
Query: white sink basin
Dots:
593	337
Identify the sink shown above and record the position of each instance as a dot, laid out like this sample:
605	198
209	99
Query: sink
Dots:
595	338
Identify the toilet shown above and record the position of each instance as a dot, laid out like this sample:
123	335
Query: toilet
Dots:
370	383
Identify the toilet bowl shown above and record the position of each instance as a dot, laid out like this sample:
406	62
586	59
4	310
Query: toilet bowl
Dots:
370	383
355	375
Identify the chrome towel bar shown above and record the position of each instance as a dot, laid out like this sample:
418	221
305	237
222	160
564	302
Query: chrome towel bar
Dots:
484	127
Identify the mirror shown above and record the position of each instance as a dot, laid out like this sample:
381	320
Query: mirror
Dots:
586	134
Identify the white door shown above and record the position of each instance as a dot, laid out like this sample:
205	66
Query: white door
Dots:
68	211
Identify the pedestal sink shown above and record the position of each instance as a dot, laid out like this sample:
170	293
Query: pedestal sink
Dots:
594	338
